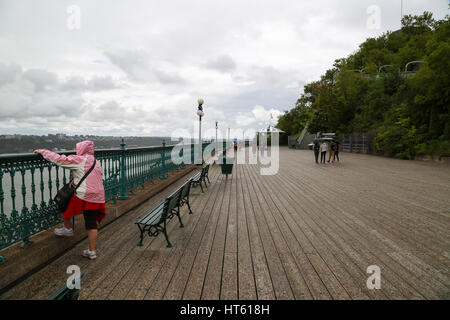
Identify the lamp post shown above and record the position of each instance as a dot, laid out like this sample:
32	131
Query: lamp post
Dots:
228	137
216	152
200	115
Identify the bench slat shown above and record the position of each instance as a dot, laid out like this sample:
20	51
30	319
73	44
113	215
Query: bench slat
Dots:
157	211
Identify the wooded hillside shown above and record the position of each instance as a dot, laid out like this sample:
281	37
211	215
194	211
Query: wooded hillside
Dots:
370	91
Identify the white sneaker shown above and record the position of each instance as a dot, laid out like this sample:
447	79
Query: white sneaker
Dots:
89	254
64	232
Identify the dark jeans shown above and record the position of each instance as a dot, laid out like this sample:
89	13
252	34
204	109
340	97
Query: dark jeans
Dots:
323	156
336	155
316	155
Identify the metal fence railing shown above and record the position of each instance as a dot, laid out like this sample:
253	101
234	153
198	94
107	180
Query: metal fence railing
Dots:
28	184
358	143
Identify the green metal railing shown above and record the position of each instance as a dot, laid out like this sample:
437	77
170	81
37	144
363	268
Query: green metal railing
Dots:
28	184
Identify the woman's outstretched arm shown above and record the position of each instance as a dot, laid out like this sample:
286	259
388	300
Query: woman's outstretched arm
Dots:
68	162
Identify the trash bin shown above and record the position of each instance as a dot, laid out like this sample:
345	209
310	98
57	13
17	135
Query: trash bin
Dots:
227	166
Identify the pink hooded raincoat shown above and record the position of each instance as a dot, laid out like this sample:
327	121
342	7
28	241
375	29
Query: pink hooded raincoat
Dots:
91	189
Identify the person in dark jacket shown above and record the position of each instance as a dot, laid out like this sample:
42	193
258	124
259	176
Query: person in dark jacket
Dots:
336	151
316	148
332	148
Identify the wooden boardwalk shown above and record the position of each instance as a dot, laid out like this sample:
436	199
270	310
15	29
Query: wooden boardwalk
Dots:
308	232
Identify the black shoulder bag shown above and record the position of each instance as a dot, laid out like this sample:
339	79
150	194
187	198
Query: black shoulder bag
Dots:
64	194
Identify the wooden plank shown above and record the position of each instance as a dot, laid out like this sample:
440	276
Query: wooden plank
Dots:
246	276
282	288
279	234
263	281
229	286
168	272
286	220
309	211
213	278
194	286
408	290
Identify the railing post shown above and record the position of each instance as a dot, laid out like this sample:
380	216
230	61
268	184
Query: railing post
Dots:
183	165
351	143
25	214
123	189
163	160
2	215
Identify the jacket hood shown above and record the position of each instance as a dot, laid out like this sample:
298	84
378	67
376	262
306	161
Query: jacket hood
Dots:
85	148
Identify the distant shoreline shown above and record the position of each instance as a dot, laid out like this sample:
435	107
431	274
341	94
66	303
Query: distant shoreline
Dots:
15	143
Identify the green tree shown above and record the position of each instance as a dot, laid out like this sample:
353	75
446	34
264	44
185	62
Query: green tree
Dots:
409	115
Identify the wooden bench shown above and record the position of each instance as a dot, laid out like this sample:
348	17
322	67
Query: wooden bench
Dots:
184	196
65	293
155	221
201	177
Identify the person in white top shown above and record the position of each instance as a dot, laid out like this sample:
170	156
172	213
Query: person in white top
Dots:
323	152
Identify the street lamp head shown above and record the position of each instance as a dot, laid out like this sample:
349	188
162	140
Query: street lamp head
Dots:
200	108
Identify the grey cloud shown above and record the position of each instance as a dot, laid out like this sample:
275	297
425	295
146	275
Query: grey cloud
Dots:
137	66
18	104
112	111
134	63
109	110
268	77
223	63
13	102
98	83
264	47
168	78
101	83
74	83
36	93
281	99
56	105
41	79
8	73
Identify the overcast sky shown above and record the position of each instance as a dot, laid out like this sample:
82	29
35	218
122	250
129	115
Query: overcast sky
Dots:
137	67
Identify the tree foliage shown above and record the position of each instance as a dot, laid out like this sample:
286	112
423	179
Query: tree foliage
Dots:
408	111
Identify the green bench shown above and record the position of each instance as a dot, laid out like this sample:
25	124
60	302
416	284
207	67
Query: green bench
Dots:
155	221
201	177
184	196
65	293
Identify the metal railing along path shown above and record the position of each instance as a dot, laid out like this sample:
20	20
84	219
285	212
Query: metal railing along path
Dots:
28	184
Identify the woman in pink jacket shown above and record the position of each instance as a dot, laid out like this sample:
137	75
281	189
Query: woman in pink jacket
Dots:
89	198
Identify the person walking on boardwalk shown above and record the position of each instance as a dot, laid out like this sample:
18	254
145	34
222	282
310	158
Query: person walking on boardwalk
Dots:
316	148
89	198
332	148
336	151
323	153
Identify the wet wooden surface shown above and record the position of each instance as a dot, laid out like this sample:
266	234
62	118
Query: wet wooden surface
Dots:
308	232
